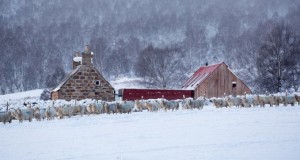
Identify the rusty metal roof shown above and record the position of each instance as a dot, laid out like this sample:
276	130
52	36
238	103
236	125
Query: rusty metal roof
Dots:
199	76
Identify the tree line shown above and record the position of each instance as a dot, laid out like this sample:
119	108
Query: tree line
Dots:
163	42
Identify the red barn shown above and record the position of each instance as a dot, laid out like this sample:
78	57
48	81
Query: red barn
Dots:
138	94
215	81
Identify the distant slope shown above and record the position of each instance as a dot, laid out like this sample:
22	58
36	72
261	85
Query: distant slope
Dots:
32	95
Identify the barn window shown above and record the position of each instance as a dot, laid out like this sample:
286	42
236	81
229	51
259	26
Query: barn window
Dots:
97	82
233	84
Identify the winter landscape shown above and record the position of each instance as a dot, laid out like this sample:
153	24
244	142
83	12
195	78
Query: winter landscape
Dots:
266	133
39	39
222	79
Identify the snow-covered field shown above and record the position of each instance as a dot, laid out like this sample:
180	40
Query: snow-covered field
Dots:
228	133
17	99
269	133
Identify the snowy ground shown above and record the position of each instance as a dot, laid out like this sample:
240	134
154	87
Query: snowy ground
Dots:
17	99
226	133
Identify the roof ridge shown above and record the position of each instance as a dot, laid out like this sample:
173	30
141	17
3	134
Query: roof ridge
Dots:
200	75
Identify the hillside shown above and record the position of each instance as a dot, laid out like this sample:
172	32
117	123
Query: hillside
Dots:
40	37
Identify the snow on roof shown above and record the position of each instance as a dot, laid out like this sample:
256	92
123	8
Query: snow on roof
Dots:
77	59
199	76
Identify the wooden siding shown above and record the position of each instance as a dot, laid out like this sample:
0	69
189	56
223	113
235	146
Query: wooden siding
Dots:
219	82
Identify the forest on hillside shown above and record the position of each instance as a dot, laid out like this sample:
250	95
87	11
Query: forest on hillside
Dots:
161	41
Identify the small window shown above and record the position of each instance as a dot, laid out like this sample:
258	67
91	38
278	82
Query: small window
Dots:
233	84
97	83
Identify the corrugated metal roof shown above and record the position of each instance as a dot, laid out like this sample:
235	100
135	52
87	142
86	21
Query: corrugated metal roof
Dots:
199	76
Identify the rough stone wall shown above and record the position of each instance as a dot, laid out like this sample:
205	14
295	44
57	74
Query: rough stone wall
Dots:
82	85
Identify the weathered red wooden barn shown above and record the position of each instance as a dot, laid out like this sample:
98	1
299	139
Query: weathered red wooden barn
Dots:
215	81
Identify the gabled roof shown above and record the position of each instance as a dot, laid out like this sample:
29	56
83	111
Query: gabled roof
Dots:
73	73
199	76
67	78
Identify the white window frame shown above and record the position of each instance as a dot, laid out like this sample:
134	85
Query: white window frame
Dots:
97	81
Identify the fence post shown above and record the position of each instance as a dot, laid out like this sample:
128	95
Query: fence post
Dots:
7	106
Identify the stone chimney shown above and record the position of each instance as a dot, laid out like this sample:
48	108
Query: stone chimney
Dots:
87	48
77	60
87	56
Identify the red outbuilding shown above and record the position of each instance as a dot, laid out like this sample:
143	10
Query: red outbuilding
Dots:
215	81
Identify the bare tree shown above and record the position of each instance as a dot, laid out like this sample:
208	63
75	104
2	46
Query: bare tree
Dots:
277	62
101	48
161	68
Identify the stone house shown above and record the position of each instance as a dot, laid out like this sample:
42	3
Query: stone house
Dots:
84	82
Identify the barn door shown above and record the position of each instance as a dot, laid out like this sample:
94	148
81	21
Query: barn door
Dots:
234	88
